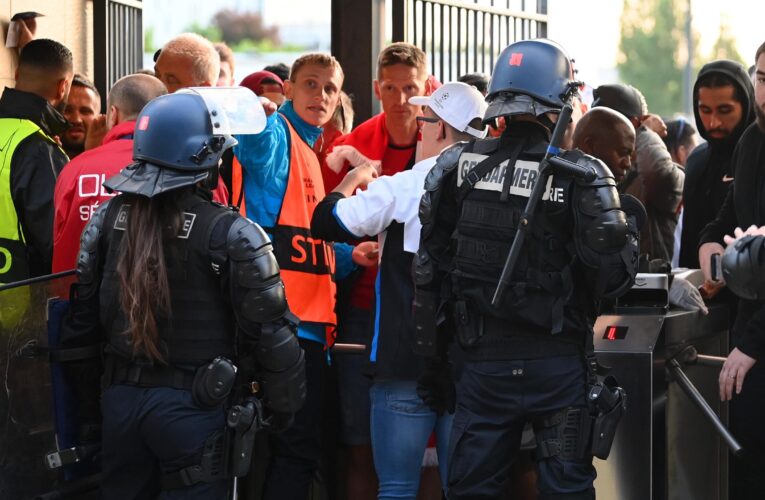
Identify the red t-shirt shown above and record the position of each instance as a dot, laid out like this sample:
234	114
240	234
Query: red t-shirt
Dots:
372	140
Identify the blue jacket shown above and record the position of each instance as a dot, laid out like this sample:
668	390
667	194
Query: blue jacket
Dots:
265	159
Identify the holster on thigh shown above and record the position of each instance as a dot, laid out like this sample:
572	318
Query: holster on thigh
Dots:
565	434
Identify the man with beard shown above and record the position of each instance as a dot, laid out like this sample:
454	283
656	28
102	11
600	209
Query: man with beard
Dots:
743	208
30	118
82	107
723	97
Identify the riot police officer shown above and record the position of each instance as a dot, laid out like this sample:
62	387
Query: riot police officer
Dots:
528	357
178	289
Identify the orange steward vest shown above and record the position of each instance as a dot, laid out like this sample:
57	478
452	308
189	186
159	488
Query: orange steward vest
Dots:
307	264
237	187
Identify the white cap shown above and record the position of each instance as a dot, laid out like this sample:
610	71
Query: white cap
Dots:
457	104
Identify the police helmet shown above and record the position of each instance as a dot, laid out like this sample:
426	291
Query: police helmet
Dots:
530	77
180	138
743	267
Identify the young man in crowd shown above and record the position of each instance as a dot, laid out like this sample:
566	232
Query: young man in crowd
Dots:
82	107
282	185
401	421
724	107
78	189
390	138
742	378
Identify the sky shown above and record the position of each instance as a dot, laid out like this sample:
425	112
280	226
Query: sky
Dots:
588	29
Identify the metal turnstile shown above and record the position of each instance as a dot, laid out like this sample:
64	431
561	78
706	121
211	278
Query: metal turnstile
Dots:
667	445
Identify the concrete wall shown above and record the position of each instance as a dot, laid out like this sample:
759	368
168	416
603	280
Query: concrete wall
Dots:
67	21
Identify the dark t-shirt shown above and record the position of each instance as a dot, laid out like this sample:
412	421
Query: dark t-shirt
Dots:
396	159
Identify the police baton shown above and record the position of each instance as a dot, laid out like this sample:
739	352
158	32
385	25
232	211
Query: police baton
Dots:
548	163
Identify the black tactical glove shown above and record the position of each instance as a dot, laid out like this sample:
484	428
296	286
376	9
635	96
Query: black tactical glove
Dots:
436	386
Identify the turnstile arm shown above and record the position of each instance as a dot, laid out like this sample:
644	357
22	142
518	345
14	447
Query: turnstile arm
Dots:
690	390
705	359
349	348
690	356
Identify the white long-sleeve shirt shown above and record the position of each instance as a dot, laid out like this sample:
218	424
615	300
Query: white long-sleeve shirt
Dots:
388	199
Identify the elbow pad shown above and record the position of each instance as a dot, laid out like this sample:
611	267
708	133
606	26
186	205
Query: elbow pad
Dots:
258	288
283	362
606	228
278	348
616	272
600	224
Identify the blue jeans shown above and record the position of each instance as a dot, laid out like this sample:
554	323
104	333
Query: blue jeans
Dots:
401	424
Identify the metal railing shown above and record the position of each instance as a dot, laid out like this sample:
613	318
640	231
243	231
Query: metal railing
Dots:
117	40
464	36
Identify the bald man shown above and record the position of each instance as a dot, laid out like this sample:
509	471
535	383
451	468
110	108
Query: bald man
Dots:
30	121
609	136
78	189
188	60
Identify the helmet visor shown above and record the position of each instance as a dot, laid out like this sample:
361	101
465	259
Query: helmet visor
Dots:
233	110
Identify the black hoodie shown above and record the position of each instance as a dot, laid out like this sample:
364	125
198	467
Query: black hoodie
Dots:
708	171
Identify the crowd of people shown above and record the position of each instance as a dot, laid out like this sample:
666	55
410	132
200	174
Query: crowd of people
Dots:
391	233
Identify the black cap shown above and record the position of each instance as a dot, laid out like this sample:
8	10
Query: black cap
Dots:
478	80
625	99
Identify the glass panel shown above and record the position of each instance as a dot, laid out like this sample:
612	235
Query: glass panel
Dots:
26	399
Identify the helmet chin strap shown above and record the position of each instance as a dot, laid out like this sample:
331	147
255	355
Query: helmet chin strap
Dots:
545	120
211	182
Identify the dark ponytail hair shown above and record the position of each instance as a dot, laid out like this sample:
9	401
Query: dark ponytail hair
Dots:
142	270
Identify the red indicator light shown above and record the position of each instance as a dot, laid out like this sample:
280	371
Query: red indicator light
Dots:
611	333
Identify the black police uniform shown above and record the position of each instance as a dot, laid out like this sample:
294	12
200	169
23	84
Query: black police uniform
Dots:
163	425
525	357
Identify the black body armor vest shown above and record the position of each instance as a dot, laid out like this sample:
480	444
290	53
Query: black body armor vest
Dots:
543	297
200	326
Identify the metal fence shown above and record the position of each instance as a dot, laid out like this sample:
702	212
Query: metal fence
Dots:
465	36
118	40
